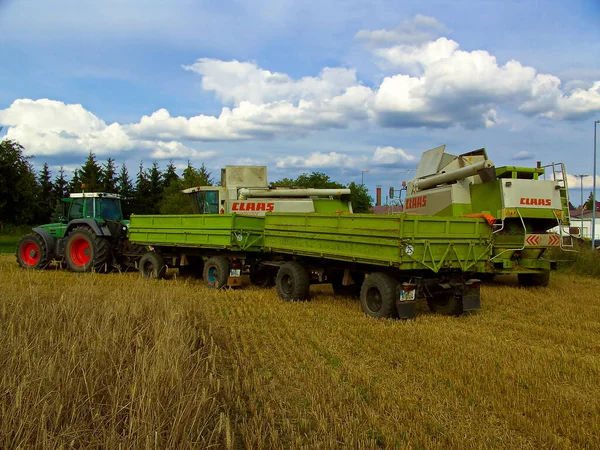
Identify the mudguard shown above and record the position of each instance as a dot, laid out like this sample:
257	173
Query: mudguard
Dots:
48	240
100	231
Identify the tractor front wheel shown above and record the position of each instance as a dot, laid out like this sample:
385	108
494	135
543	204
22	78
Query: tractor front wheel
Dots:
32	252
85	251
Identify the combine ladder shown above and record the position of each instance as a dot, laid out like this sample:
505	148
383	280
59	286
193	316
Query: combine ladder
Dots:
559	175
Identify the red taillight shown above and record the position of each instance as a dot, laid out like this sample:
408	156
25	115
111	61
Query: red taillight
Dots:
408	287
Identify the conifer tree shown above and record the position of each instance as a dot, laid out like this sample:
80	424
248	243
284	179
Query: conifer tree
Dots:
108	176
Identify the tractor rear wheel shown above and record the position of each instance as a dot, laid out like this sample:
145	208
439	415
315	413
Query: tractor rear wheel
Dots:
152	266
85	251
534	279
32	252
378	296
293	282
216	272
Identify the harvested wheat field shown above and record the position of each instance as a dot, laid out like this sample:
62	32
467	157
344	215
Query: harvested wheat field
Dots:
114	361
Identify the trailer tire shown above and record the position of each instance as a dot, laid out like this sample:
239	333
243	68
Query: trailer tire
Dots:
293	282
534	279
216	272
85	251
378	296
32	252
446	305
262	276
152	266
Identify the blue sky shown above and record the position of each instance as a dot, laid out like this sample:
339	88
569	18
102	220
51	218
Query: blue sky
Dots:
332	86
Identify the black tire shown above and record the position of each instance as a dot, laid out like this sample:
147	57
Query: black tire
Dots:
349	290
216	272
293	282
194	267
378	295
85	251
262	276
152	266
32	253
446	305
534	279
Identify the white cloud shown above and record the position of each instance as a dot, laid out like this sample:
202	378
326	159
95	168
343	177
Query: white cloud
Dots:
415	31
576	182
436	84
390	155
317	160
235	82
523	155
48	127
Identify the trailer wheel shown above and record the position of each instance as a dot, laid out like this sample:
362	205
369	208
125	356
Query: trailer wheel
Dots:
378	295
32	252
293	281
534	279
152	266
446	305
216	272
84	251
262	276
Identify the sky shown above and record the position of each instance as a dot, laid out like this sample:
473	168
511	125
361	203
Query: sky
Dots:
355	89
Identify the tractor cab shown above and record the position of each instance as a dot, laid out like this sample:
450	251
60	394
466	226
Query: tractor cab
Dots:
97	206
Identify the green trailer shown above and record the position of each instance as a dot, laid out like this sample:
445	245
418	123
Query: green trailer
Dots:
388	261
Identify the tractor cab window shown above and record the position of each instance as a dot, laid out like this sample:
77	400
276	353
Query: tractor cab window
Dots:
81	208
110	209
208	202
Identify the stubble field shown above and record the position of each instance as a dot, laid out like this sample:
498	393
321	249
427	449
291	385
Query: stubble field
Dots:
113	361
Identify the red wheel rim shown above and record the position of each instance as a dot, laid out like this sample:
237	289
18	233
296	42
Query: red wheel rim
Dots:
30	253
80	252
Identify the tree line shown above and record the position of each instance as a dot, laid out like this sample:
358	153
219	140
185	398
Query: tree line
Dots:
28	197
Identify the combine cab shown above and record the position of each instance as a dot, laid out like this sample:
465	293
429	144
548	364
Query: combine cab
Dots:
90	236
519	203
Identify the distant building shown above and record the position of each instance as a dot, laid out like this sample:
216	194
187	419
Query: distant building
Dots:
386	209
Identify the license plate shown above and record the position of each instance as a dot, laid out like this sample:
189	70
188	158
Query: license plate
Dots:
235	273
407	296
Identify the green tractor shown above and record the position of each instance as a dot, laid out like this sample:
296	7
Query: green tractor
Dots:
90	236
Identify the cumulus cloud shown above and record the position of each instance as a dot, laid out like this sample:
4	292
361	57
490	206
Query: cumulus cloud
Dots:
437	84
235	82
48	127
390	155
433	83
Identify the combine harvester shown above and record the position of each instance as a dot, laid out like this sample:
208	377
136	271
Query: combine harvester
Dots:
519	204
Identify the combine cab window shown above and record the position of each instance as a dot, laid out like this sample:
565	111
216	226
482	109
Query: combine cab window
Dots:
208	202
110	209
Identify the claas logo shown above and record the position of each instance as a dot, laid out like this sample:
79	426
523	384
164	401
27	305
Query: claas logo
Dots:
416	202
252	206
536	201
